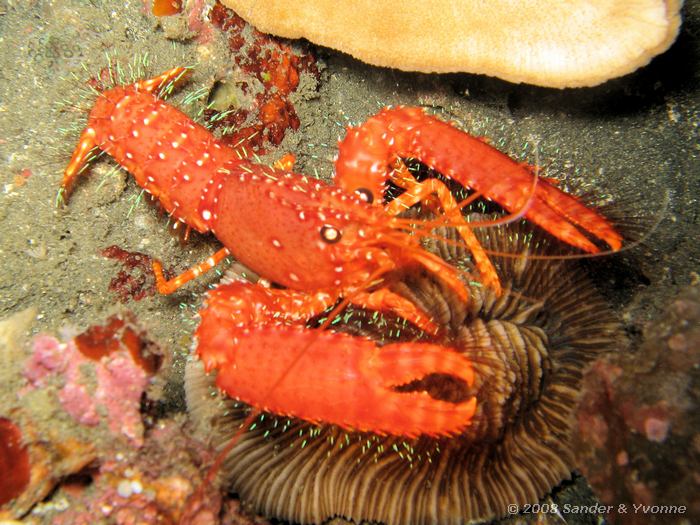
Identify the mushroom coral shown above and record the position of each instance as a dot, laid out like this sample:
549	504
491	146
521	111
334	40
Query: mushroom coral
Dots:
547	43
529	348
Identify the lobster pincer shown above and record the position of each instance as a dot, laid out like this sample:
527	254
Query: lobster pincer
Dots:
268	358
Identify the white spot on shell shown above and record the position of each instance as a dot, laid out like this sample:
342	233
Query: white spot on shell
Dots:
206	215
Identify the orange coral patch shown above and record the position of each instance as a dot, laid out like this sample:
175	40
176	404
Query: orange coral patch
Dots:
14	462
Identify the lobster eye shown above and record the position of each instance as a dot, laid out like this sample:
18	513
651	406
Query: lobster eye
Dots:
330	234
365	195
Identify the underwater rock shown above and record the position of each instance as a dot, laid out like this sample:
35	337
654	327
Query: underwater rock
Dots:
638	442
270	74
31	446
73	403
13	334
52	457
147	486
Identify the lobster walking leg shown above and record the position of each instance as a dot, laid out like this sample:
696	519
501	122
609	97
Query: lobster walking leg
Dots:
420	191
386	300
166	287
266	357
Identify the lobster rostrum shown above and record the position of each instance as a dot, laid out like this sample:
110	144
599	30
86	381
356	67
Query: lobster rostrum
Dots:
324	244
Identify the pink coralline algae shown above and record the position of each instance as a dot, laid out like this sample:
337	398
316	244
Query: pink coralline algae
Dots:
656	429
108	389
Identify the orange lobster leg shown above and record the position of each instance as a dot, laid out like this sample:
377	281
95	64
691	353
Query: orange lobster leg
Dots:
166	287
386	300
266	357
81	154
174	75
421	191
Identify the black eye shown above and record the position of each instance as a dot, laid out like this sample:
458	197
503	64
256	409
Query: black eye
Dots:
330	234
365	195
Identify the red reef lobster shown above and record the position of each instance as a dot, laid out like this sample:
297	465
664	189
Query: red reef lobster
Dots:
324	244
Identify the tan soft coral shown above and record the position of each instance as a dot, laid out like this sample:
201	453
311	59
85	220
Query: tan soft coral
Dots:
555	44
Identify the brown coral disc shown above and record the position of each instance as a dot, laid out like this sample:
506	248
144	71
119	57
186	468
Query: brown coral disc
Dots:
529	348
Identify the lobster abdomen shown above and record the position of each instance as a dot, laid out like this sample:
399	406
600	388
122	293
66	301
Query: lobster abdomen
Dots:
171	156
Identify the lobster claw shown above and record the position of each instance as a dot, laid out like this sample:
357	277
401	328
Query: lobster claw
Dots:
413	413
334	377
